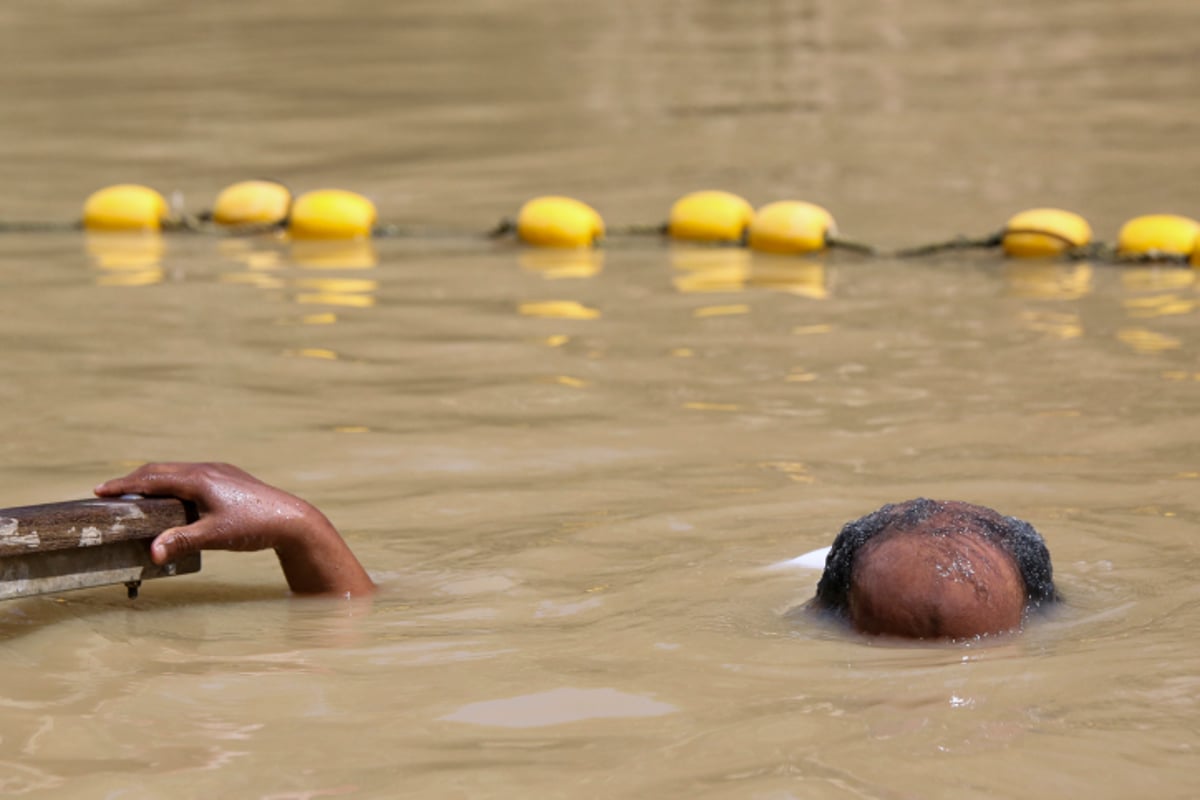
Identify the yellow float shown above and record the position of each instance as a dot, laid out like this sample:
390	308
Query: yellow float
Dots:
125	207
791	226
1159	235
332	214
1041	232
252	202
553	221
710	216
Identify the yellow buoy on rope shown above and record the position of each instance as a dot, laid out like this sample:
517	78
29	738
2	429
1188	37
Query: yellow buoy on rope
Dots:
710	216
1040	232
1159	235
791	226
125	207
252	202
554	221
332	214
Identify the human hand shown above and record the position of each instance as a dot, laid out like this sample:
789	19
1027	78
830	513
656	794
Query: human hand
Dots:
240	512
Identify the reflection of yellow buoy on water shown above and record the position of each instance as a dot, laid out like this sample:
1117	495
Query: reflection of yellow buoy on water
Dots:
126	259
125	207
553	221
801	277
251	253
1040	232
252	202
352	292
1147	341
710	216
1048	280
558	309
332	214
558	263
791	226
333	254
710	269
1150	279
1159	235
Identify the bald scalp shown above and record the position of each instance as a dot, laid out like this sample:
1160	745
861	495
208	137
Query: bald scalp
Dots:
935	570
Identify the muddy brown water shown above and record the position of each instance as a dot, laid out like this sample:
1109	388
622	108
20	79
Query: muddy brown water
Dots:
571	513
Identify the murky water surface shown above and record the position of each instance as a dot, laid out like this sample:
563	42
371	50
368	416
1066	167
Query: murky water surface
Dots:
572	506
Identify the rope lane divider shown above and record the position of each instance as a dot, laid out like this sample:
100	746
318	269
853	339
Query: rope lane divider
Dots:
711	217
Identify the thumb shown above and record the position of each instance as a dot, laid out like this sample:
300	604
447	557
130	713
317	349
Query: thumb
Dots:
176	542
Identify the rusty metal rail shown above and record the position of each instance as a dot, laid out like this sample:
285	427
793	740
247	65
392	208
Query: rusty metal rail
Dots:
58	547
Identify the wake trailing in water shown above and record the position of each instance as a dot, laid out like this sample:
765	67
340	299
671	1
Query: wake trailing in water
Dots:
814	559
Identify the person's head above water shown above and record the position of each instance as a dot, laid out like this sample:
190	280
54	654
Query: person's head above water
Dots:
935	570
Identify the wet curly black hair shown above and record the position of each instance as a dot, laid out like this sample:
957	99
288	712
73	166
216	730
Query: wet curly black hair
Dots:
1017	537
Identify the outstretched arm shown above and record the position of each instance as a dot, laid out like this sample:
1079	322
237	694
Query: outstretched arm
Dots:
240	512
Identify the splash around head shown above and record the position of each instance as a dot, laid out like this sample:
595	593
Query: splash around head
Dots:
926	569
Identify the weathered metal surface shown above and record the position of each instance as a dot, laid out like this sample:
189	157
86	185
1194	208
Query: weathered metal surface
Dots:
59	547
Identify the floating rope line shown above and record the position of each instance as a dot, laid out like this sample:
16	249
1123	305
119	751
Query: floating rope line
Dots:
842	243
203	223
1045	232
957	243
508	227
389	230
1150	257
713	218
39	227
661	229
504	227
